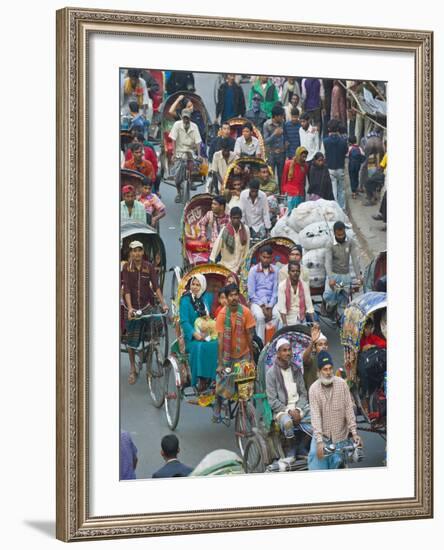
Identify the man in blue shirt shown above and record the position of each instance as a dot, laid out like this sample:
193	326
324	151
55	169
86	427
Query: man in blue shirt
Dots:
263	291
291	133
336	149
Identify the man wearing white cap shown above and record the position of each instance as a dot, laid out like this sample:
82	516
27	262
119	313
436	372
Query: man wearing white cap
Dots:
140	287
318	343
287	395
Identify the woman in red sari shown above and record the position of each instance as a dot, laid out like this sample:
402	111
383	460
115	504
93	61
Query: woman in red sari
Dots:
294	178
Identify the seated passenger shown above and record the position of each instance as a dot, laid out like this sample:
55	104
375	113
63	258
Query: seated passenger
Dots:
196	303
232	243
287	397
247	145
370	340
294	300
154	207
263	291
214	220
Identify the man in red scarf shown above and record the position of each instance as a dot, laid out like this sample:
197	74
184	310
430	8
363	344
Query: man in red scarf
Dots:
294	300
232	243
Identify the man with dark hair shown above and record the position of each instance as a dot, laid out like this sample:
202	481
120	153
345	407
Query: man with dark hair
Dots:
139	163
337	265
254	205
255	114
223	137
274	141
263	291
235	329
221	160
247	145
332	415
214	220
264	87
292	137
295	256
335	152
173	467
230	99
232	243
309	137
294	300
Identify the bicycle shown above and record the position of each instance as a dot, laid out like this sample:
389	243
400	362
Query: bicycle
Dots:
152	351
344	295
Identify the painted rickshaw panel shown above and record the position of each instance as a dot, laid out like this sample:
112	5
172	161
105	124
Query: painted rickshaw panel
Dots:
356	315
255	162
194	210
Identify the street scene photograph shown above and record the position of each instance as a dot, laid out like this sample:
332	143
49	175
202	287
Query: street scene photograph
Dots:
253	274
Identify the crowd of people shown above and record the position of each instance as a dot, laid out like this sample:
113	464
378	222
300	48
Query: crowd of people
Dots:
311	130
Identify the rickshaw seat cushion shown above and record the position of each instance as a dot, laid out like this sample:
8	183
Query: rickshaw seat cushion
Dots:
195	245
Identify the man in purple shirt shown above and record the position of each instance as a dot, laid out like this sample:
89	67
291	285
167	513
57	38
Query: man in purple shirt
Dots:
263	291
128	457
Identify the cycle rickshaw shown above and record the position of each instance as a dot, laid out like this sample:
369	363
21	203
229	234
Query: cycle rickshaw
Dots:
375	273
154	337
197	171
178	387
369	366
281	247
194	250
265	449
236	124
131	177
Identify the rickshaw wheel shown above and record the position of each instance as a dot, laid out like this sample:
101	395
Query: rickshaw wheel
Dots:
255	459
244	423
172	395
155	376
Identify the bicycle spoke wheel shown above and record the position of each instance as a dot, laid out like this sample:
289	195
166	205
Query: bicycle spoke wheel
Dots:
254	461
244	423
172	395
155	378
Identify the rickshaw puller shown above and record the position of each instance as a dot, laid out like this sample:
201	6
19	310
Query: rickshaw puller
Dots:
235	328
337	264
186	142
140	286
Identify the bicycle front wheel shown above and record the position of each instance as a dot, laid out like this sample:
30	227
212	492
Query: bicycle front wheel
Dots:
244	423
172	394
155	377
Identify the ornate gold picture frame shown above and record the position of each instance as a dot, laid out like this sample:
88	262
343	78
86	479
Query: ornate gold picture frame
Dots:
75	28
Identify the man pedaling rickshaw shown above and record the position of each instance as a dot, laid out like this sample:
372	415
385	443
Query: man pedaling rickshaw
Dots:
186	143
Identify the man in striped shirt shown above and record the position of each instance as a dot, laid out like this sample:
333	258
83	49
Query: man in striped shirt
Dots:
332	415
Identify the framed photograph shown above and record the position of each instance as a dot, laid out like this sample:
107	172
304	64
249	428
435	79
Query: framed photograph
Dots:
208	165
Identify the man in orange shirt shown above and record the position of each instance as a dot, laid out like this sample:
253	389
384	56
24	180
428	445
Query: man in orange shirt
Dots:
139	164
235	328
